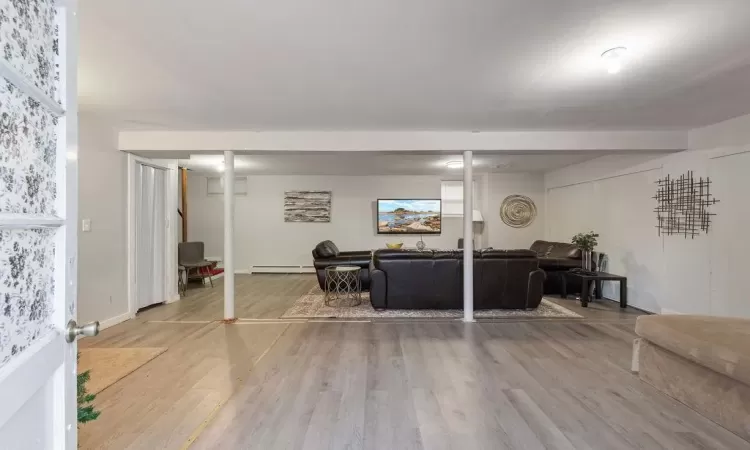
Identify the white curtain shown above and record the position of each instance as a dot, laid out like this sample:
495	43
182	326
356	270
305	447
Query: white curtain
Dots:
150	235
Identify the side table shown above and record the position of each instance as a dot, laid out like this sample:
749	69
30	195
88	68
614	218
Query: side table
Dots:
343	286
598	277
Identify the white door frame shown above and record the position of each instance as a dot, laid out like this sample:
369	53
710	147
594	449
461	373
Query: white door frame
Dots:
47	367
170	243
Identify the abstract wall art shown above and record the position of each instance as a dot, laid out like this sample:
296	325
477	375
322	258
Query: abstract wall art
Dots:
682	205
307	206
517	211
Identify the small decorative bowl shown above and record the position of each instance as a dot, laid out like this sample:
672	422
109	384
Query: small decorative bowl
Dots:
394	245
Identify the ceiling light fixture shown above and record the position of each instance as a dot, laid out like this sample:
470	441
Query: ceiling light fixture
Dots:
614	59
455	164
220	167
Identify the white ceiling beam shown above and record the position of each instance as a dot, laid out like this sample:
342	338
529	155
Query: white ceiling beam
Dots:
414	141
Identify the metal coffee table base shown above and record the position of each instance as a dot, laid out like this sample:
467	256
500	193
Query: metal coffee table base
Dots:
343	286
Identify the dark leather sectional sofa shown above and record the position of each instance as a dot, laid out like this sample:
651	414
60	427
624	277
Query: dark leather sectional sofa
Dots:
408	279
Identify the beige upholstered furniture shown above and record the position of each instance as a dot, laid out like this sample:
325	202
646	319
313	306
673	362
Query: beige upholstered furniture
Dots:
702	361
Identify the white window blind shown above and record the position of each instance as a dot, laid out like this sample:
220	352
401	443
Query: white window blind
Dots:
452	196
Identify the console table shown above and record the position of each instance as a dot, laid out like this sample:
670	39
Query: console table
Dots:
598	277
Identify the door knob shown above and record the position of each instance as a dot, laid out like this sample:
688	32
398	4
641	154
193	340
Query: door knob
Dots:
73	330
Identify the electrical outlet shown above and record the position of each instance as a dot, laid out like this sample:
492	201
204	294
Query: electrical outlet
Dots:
86	225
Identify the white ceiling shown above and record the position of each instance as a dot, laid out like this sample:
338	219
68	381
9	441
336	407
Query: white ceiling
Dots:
414	64
371	163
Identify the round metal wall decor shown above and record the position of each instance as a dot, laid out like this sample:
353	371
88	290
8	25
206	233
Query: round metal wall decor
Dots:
517	211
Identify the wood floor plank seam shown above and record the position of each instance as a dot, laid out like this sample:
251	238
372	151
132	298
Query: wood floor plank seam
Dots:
239	321
182	321
197	432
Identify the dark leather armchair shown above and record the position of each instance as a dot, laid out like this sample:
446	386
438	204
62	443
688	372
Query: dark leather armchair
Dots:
555	258
327	254
503	279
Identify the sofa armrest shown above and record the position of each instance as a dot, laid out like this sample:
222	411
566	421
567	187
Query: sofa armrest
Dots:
362	261
535	291
377	288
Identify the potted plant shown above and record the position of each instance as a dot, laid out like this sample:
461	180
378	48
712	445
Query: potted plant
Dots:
86	411
586	242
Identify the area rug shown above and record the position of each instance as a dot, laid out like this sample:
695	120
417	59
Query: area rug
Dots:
312	306
108	365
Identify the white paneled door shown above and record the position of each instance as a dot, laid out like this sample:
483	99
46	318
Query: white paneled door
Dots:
150	235
38	215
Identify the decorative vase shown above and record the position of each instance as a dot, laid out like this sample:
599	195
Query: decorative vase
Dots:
586	259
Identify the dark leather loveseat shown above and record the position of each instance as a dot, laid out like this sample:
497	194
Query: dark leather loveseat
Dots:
555	258
327	254
408	279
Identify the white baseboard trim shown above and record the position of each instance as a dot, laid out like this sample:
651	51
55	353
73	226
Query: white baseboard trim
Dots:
112	321
282	269
236	272
669	311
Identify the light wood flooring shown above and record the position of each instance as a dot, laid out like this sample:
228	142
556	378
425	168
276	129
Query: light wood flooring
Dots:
265	383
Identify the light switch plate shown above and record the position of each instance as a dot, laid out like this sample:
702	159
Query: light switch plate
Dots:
86	225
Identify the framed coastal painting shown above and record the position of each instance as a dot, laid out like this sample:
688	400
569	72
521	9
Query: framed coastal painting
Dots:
409	216
307	206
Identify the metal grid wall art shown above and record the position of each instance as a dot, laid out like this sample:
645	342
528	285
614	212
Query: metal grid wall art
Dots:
682	205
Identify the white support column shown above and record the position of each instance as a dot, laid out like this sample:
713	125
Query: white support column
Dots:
228	235
468	238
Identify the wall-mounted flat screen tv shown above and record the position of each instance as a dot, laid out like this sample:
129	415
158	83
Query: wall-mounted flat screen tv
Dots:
417	216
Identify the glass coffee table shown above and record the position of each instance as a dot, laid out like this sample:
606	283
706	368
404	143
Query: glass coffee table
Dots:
343	286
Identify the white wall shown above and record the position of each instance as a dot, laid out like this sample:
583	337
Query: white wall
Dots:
102	252
620	209
670	273
729	252
501	185
729	133
263	238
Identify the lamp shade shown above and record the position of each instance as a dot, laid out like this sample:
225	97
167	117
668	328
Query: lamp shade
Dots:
476	216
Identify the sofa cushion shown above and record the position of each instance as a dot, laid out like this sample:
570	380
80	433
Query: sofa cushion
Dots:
549	263
507	254
541	248
398	254
563	250
326	249
721	344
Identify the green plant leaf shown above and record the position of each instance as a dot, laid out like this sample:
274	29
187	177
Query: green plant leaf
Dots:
86	412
